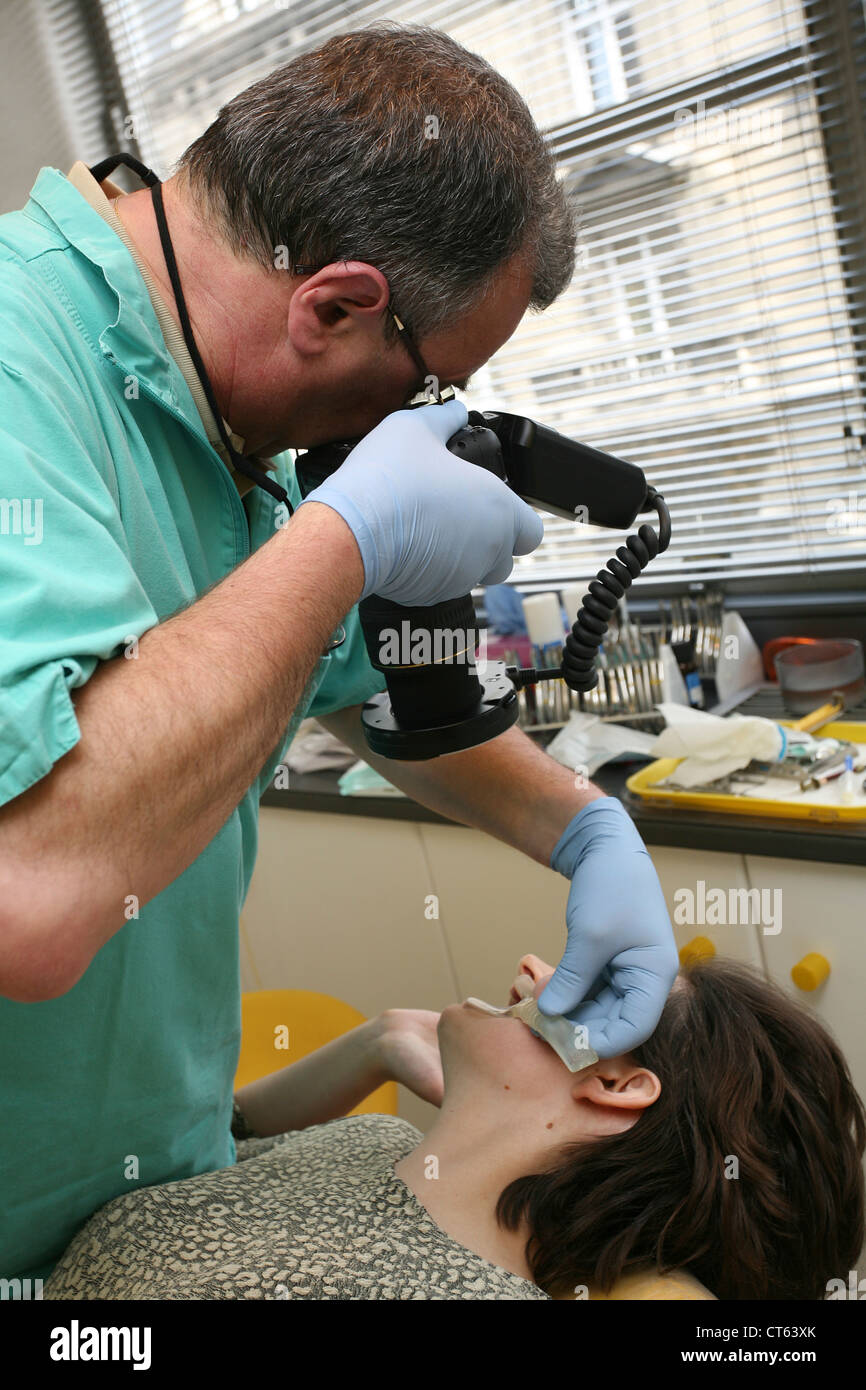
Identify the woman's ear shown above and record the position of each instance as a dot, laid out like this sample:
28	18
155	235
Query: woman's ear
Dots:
612	1094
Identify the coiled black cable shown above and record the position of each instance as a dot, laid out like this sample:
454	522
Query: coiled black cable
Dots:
605	592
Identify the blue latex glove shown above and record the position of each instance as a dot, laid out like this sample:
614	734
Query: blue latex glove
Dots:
621	958
429	525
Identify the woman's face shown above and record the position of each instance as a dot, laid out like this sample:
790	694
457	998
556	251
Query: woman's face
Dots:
501	1048
498	1071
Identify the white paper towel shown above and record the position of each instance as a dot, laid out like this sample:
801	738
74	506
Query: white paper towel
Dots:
586	743
712	747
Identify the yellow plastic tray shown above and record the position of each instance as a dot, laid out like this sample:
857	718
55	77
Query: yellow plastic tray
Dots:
642	784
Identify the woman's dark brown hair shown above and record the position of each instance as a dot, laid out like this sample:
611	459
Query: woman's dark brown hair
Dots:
747	1074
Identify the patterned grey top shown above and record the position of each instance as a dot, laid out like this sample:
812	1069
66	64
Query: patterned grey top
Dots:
317	1213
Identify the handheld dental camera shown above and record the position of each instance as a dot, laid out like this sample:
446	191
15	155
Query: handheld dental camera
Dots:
438	701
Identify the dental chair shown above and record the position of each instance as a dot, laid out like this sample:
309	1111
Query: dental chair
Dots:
315	1019
312	1020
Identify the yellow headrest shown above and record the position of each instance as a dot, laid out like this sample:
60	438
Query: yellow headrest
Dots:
679	1285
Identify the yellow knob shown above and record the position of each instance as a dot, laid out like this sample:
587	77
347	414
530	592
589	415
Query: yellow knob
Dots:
698	947
811	971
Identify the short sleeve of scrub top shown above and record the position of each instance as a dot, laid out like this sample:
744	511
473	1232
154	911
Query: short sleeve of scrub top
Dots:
69	595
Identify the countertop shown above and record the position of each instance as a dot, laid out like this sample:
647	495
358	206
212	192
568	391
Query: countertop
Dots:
842	843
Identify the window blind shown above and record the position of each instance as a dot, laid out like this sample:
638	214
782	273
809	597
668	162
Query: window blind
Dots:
77	85
713	332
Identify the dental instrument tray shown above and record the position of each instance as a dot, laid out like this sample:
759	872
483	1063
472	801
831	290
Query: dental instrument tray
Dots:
761	793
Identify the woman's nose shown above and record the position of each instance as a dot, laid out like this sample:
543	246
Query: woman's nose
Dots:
533	966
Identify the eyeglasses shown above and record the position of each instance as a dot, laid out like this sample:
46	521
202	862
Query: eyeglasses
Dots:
421	397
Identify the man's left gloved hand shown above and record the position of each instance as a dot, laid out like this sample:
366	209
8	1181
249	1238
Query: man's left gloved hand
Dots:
621	958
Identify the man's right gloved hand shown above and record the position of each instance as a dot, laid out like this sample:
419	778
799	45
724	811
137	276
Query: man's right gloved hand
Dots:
429	525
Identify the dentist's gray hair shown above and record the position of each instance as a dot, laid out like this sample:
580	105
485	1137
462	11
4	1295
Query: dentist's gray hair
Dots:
394	145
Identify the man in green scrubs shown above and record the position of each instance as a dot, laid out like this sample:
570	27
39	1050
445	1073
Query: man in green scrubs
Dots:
112	541
162	633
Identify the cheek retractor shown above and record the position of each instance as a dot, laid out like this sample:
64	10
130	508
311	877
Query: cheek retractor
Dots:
563	1036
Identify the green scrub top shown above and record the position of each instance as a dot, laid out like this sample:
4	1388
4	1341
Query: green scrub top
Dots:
115	512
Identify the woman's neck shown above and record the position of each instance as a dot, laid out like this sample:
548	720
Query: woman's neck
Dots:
457	1172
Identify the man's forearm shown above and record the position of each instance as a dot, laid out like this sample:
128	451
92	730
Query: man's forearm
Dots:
508	787
322	1086
170	741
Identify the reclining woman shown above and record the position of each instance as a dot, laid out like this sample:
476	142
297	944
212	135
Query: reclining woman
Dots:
726	1148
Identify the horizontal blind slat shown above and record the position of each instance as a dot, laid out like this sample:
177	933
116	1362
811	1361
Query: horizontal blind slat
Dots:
712	332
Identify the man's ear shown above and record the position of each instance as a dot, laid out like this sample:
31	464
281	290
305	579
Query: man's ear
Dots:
344	290
613	1093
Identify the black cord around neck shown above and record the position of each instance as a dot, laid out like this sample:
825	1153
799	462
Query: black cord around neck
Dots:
241	463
